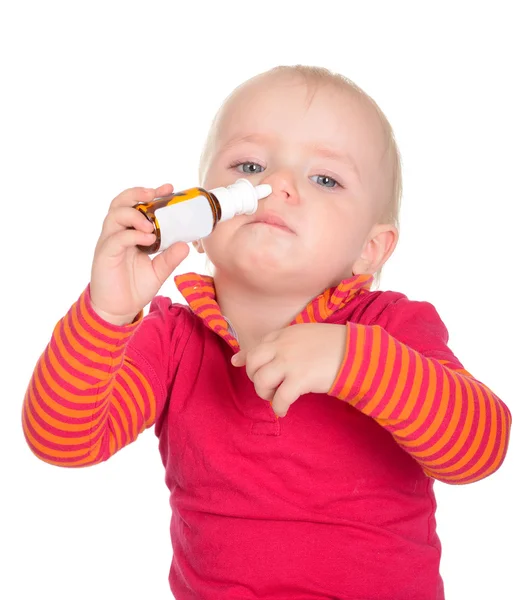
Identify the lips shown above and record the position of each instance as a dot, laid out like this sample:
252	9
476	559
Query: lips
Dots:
272	219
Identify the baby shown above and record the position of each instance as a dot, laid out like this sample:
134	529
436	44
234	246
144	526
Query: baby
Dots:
302	417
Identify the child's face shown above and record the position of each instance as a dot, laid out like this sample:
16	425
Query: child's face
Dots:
323	156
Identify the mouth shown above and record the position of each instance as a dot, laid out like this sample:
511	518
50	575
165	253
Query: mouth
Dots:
271	220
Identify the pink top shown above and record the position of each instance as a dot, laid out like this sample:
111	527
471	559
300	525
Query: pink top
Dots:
333	501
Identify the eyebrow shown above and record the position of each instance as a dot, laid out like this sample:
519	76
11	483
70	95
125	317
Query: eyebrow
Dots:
327	152
257	138
316	148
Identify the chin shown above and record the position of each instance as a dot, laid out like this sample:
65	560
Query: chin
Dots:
254	269
270	277
257	257
270	266
261	267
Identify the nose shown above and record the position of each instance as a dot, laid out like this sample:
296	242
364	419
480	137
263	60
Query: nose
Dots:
284	186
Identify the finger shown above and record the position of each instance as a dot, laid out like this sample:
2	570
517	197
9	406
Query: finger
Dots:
164	190
165	262
238	360
257	357
115	244
125	217
134	195
271	337
267	379
286	394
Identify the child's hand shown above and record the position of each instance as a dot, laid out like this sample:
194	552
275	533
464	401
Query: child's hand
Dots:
293	361
124	279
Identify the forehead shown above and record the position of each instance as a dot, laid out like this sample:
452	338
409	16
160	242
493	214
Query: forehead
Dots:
305	113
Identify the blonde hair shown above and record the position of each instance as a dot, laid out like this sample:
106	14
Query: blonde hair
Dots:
317	76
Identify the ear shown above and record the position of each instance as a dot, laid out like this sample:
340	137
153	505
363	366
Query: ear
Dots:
198	246
378	248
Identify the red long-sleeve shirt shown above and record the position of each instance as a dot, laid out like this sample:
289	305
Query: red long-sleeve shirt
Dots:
335	500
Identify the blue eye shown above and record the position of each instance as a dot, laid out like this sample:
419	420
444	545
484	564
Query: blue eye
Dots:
325	181
249	168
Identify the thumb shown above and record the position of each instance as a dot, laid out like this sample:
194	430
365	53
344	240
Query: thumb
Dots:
165	263
239	359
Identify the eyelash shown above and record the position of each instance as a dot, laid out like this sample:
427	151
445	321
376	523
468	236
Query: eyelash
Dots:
251	162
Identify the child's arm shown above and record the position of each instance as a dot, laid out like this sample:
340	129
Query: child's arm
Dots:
93	391
401	373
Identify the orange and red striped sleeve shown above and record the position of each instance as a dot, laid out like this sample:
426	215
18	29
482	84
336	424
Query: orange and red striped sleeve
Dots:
404	376
87	398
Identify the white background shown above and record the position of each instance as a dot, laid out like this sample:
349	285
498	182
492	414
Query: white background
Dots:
100	96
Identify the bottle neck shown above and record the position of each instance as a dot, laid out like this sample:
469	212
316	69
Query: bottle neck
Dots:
236	200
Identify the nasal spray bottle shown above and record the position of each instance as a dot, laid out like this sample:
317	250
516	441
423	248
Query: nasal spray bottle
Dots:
192	214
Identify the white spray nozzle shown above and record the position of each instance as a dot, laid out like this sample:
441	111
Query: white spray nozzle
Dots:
240	198
262	191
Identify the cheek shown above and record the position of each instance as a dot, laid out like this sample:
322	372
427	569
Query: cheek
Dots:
335	232
325	226
223	242
218	237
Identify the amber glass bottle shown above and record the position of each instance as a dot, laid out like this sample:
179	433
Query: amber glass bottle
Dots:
192	214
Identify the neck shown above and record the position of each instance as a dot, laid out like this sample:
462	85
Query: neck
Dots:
254	312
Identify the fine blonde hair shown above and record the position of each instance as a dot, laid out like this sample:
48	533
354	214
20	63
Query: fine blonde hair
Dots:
317	76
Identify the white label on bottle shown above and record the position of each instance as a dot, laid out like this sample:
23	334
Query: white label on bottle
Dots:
186	221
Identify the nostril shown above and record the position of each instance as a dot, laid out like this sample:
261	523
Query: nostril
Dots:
283	183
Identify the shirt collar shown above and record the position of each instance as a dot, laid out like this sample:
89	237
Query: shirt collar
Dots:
200	293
